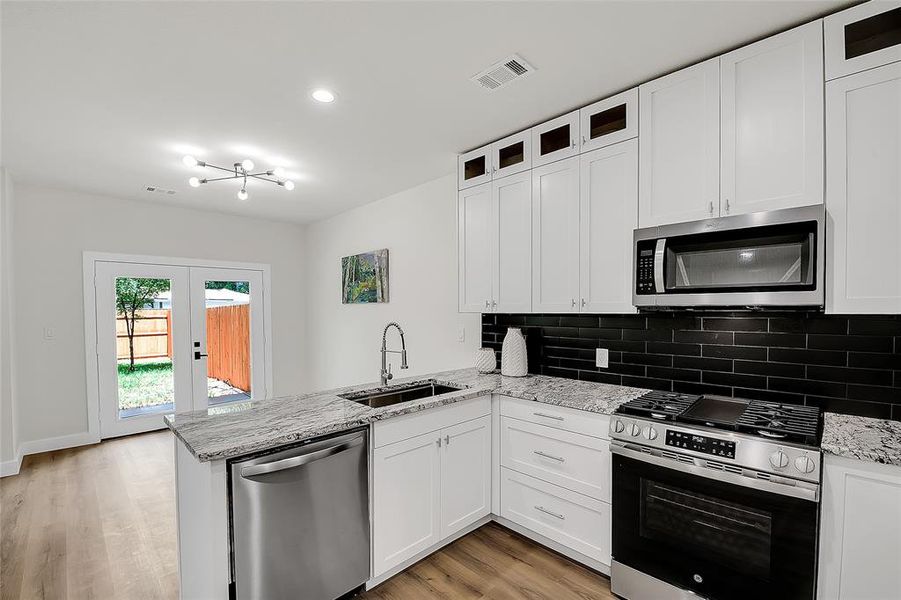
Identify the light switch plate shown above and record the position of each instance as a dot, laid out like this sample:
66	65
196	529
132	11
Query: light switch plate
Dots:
461	334
601	357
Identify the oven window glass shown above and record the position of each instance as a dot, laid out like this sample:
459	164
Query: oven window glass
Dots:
726	533
754	260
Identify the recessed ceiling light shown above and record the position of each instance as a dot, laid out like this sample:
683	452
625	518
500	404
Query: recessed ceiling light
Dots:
322	95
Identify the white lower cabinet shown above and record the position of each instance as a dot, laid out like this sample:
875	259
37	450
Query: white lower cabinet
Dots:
574	520
860	531
431	484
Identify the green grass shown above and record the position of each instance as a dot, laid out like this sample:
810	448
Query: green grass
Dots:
150	384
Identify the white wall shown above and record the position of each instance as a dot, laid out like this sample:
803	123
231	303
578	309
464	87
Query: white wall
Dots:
54	227
418	226
8	431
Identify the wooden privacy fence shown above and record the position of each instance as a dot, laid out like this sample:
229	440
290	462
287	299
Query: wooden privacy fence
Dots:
228	344
227	333
152	339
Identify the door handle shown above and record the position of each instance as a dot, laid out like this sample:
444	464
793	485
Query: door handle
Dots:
550	456
550	512
198	355
298	461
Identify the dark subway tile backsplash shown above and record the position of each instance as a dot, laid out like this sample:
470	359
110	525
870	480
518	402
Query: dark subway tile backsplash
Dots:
847	364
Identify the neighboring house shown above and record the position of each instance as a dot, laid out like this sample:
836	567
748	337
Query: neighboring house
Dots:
221	297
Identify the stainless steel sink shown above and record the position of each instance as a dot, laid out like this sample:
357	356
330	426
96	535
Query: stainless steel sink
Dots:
400	393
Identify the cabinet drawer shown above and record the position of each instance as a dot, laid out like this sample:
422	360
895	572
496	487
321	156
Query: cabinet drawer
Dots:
576	462
431	419
576	521
578	421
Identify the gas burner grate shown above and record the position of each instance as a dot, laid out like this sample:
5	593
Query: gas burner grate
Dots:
664	406
790	422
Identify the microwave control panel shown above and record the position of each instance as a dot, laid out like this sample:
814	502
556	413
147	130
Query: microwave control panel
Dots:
700	443
644	261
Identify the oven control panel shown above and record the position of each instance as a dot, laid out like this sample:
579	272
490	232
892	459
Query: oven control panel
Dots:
700	443
644	267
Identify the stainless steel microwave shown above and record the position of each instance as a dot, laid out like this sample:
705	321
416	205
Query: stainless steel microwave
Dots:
772	258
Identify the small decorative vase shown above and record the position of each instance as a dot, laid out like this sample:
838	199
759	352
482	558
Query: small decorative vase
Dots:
514	362
486	361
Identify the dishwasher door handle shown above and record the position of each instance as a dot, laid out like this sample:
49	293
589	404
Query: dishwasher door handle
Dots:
299	461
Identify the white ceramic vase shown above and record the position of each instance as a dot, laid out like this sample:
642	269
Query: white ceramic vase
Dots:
514	362
486	361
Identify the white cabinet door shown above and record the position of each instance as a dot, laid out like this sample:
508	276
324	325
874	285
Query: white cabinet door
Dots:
863	37
474	167
860	531
513	154
609	213
406	488
511	200
465	474
863	192
609	121
679	119
555	140
772	123
475	238
555	236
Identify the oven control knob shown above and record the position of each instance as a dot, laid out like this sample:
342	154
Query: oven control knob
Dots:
619	426
650	433
804	464
634	430
779	459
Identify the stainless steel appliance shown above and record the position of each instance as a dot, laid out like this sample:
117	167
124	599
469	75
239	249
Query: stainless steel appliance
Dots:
770	258
300	520
714	498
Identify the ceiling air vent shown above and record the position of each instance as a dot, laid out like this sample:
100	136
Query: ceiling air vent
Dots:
159	190
499	74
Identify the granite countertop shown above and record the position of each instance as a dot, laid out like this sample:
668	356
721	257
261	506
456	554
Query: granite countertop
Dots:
246	427
863	438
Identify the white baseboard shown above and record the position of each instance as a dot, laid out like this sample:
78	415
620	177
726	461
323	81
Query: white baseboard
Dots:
11	467
58	443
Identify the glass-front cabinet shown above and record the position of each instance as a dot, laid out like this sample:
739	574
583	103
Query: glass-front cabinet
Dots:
863	37
609	121
556	139
474	168
513	154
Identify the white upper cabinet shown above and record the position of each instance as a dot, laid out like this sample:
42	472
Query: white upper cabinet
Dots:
679	120
555	140
772	123
863	37
512	154
511	204
474	168
609	213
609	121
555	237
863	192
475	238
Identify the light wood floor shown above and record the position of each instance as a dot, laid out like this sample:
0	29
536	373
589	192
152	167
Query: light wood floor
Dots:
99	522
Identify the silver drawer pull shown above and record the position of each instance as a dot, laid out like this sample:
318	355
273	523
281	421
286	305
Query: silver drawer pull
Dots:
547	416
550	456
550	512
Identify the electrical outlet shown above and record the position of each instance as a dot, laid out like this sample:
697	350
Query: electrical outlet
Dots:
602	357
49	333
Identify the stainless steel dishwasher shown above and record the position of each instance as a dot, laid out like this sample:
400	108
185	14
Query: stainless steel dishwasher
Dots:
300	520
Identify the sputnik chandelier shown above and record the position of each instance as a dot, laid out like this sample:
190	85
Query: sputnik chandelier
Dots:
240	170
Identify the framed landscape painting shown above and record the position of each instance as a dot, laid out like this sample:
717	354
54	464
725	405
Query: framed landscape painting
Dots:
364	277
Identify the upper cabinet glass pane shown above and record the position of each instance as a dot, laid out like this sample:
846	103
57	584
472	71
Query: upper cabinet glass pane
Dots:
555	139
608	121
474	167
873	33
511	155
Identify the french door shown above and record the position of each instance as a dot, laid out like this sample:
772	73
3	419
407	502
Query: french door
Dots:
175	338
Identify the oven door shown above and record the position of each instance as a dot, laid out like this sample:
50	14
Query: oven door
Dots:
716	539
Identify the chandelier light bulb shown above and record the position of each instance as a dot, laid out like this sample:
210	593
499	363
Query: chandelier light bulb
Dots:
243	195
279	172
247	164
289	185
189	161
194	182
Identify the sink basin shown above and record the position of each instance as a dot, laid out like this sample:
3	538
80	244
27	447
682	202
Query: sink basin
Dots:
400	393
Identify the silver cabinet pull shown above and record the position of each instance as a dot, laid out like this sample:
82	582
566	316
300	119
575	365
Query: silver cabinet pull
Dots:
550	512
584	140
572	144
547	416
711	208
727	206
494	304
583	302
447	440
438	441
573	302
487	304
550	456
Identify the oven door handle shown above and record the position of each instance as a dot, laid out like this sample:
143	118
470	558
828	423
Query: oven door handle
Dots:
659	252
803	490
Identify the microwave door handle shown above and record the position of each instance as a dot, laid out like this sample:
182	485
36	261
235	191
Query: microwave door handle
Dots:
659	285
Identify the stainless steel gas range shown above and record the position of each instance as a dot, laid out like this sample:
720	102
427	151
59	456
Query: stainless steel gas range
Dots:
715	498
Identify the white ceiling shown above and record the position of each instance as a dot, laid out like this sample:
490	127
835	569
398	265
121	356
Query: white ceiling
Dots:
107	97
